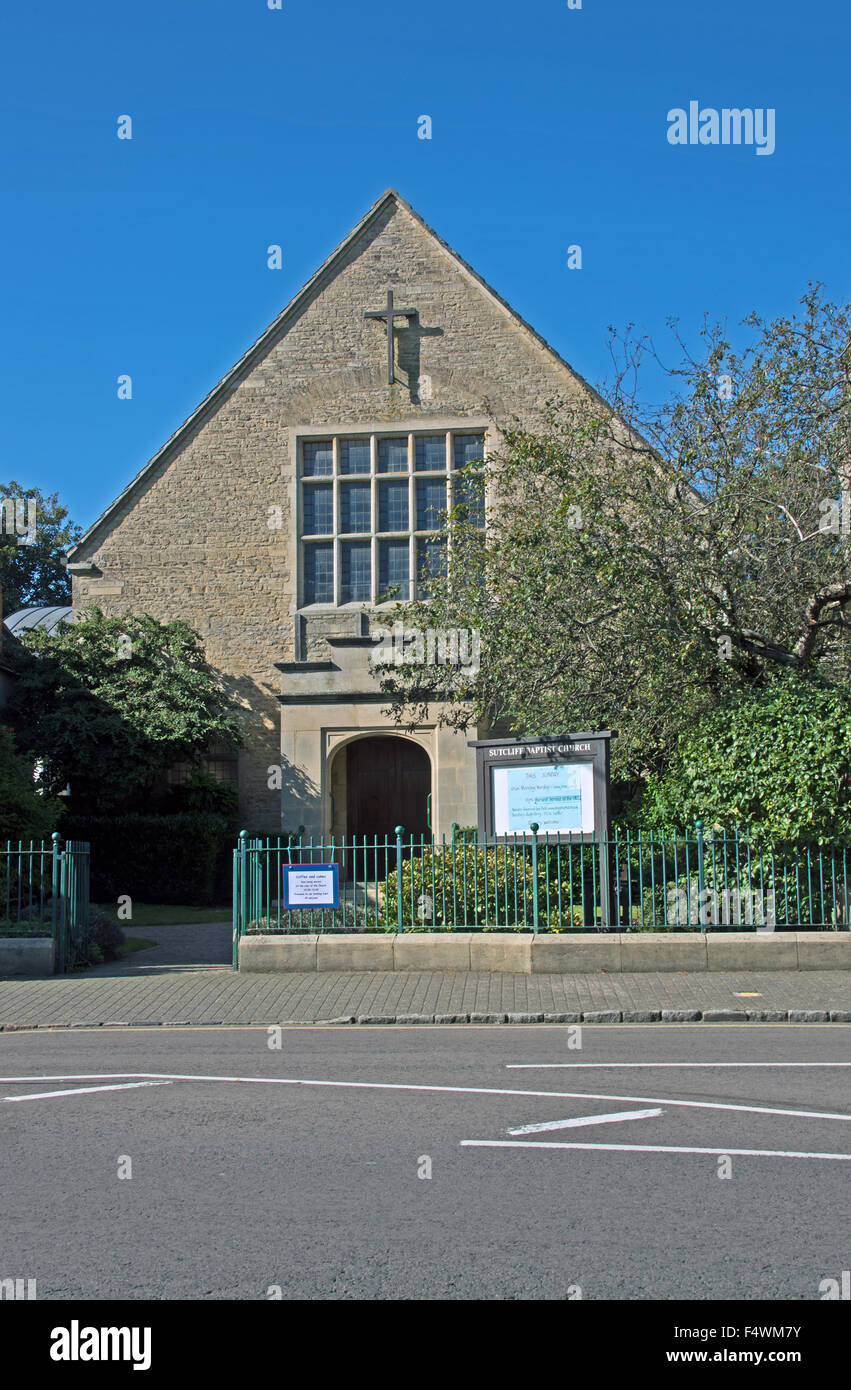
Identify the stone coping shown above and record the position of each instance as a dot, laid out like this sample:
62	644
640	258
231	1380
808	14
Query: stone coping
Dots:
27	955
548	953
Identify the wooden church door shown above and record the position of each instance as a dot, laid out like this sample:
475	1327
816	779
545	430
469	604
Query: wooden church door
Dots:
388	781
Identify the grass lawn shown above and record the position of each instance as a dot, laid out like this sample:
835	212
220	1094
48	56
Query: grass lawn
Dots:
166	915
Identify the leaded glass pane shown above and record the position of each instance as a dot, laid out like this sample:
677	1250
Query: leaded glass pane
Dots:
469	492
430	452
354	455
355	571
319	573
355	507
467	447
431	502
393	455
431	561
393	506
318	458
318	509
393	570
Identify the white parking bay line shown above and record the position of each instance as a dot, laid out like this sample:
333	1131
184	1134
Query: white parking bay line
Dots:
585	1120
86	1090
643	1148
596	1066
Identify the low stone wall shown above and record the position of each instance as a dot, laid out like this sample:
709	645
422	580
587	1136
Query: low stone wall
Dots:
523	953
29	955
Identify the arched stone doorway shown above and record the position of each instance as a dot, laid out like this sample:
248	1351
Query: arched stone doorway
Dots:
388	783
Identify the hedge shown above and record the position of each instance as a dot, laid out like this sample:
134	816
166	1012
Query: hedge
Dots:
155	859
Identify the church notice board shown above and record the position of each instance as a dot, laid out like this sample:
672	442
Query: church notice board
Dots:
311	886
560	785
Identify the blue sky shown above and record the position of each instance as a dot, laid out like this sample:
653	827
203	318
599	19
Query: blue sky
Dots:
254	126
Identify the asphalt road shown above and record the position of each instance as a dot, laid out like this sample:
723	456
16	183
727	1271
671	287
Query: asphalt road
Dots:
239	1186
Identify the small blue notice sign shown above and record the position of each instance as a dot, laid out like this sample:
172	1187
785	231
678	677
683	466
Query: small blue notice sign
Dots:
311	885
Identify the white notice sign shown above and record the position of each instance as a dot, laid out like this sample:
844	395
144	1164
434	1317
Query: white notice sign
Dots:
311	885
558	798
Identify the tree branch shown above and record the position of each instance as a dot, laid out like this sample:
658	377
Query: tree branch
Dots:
833	593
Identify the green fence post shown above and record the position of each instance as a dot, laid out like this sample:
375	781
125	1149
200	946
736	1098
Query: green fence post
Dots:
400	830
698	825
535	906
76	857
243	886
64	859
235	908
59	944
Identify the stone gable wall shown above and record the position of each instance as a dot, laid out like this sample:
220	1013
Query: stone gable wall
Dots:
194	541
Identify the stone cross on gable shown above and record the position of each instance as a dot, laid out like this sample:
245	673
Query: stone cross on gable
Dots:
390	314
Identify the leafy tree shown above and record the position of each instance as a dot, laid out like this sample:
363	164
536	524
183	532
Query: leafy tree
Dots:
34	533
24	814
777	760
109	703
642	564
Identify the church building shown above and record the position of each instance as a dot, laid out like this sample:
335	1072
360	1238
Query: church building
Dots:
307	485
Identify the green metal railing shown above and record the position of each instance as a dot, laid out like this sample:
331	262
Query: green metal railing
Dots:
633	881
44	891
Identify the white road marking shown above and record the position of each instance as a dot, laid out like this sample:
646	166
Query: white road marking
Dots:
448	1090
86	1090
643	1148
585	1120
596	1066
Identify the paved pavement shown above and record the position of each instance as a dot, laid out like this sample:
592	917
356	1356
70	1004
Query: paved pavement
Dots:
185	978
429	1163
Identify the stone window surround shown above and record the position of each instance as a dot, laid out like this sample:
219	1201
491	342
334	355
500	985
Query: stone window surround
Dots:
299	434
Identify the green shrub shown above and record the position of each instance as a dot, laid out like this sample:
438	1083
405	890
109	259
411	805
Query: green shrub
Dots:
105	937
35	920
738	900
156	859
777	760
346	917
24	813
201	793
474	886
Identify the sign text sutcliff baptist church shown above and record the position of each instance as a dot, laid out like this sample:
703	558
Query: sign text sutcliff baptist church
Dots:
528	750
